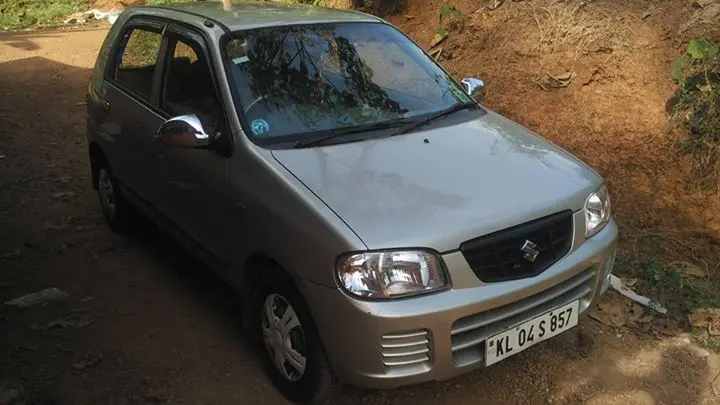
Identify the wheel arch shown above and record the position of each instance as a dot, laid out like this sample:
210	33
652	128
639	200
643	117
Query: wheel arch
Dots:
260	268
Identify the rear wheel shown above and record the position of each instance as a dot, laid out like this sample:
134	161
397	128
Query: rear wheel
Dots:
293	354
117	210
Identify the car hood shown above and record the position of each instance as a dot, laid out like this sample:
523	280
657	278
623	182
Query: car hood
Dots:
440	187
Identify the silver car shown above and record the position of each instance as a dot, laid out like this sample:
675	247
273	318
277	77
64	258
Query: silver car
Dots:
382	226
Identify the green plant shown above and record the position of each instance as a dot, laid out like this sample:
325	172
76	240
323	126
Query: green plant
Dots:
677	290
701	54
697	73
660	276
449	14
16	14
449	10
701	294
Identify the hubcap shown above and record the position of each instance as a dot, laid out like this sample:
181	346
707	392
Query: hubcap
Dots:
284	337
107	193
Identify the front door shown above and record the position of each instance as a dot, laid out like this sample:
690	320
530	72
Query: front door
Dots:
131	102
194	191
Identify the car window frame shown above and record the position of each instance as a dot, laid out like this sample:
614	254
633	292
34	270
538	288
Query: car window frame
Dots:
148	24
173	33
191	36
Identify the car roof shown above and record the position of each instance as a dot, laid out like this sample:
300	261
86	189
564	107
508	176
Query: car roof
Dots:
253	14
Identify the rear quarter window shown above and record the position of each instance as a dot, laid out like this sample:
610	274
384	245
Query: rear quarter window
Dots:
137	58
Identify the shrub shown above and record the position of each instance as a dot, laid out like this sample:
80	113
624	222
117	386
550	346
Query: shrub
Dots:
697	72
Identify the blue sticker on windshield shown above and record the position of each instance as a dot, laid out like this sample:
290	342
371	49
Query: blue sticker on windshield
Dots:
259	126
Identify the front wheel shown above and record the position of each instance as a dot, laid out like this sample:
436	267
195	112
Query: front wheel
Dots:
117	210
293	355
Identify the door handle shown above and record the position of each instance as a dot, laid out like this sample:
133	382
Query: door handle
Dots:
106	105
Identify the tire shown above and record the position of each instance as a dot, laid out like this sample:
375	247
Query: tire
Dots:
315	384
118	212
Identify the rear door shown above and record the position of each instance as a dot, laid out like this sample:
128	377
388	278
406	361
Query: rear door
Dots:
131	99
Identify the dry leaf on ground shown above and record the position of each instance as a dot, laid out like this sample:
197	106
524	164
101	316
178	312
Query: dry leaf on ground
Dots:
707	318
495	4
629	281
689	269
89	362
437	39
549	81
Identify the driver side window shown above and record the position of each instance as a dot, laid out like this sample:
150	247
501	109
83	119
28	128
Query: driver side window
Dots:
189	88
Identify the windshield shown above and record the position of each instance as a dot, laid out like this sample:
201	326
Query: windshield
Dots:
296	82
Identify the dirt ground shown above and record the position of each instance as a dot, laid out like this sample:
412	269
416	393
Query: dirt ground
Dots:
145	323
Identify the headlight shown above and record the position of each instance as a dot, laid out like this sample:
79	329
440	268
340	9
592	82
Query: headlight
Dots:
597	211
390	274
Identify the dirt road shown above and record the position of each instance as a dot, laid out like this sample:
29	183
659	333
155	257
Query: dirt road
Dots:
145	323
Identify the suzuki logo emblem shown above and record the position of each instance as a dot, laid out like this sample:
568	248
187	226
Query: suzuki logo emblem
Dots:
530	249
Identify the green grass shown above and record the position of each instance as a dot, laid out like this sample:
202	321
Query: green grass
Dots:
680	293
18	14
702	295
706	341
697	73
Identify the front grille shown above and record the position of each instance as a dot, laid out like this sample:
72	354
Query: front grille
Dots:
468	335
499	256
405	350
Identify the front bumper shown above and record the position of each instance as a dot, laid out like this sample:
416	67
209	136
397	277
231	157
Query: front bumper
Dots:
385	344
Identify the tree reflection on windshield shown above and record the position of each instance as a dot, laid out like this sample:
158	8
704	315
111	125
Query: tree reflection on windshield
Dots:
316	78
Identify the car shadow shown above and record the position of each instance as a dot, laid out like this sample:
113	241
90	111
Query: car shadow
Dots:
149	308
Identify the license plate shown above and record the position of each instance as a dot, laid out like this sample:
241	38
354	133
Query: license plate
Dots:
519	338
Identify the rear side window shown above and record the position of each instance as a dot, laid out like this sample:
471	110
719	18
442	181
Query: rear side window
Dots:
137	59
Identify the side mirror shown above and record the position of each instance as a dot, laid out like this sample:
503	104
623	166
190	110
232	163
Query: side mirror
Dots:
185	131
474	87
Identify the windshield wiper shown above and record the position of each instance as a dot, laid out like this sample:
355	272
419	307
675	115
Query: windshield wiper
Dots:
444	113
352	130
